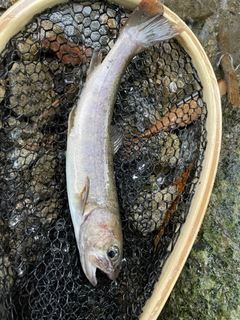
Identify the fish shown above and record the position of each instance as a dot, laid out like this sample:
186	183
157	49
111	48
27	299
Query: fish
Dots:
91	186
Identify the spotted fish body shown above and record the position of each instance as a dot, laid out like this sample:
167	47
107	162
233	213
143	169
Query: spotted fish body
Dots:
89	160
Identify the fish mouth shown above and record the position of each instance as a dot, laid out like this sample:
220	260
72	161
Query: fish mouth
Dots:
114	274
90	271
91	264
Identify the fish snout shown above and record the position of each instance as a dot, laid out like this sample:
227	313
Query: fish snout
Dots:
114	274
104	265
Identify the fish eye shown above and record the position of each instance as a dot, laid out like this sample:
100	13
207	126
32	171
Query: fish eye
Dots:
113	252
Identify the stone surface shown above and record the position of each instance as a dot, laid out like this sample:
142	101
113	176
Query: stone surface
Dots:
5	4
209	285
32	93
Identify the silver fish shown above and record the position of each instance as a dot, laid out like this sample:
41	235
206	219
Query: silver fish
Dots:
91	185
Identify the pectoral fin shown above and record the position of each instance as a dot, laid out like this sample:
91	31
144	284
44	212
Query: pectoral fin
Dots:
117	138
83	195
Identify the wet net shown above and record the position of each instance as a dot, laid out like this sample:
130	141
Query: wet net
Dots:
161	112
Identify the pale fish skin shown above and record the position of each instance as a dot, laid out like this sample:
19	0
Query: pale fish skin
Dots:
91	184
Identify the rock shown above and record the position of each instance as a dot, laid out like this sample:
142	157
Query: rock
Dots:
22	158
170	148
48	212
5	4
30	86
44	169
192	10
209	285
148	212
2	90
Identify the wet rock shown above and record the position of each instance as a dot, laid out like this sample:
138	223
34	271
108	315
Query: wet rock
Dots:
192	10
30	86
44	169
48	212
6	273
149	210
210	278
170	148
29	43
12	123
22	159
28	49
2	90
5	4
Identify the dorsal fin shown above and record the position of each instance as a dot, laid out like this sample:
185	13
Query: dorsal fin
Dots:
95	62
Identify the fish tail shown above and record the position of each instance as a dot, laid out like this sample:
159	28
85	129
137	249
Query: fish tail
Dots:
148	26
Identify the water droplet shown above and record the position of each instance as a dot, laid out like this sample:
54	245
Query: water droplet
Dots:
161	178
135	177
66	248
14	221
60	224
173	87
21	270
141	166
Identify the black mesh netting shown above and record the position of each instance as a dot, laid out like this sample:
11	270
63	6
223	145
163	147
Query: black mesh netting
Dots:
161	112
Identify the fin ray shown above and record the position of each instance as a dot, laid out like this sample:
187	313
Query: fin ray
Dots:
148	26
95	62
117	138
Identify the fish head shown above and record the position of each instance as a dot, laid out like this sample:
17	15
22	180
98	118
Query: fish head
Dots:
100	244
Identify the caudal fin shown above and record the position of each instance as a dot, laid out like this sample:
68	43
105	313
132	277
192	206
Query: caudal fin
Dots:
147	25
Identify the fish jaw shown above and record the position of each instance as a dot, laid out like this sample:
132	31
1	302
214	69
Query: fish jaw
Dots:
102	264
89	269
100	237
92	262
